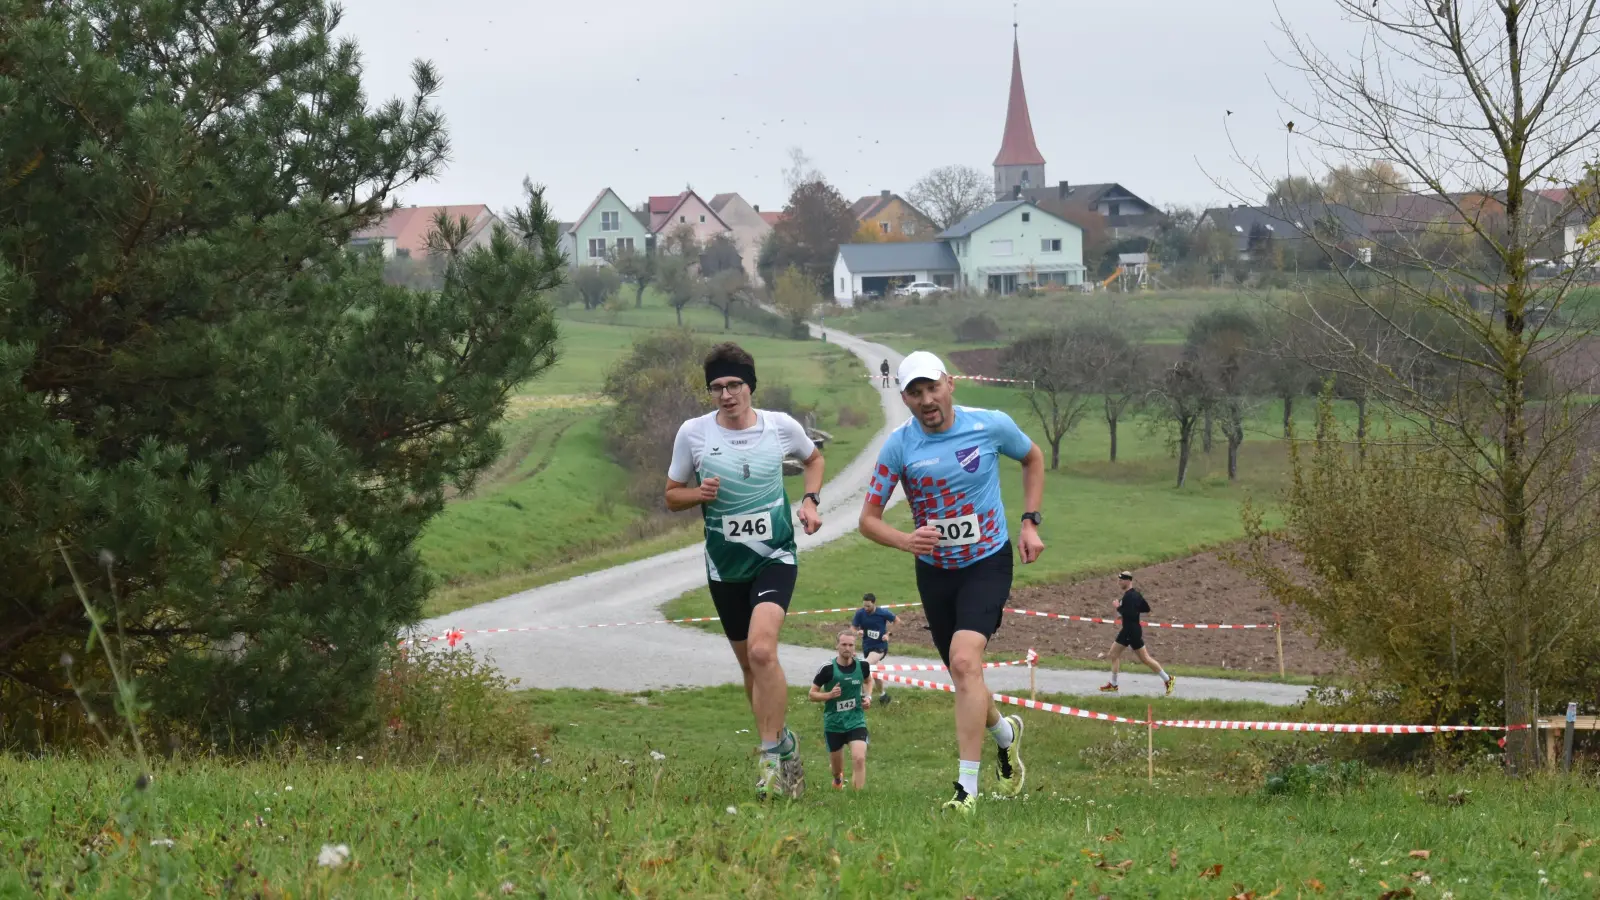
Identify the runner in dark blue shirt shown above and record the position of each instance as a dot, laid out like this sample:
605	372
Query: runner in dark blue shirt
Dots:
873	624
1130	606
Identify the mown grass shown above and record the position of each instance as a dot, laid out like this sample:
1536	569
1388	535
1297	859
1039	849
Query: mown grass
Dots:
556	506
1159	316
595	814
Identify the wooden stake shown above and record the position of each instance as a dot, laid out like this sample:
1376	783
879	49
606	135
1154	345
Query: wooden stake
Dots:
1150	743
1033	684
1278	631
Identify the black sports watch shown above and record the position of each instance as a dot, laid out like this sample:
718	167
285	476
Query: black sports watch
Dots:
814	497
1033	517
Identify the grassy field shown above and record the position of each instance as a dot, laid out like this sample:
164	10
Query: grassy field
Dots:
554	507
649	796
1159	316
1099	516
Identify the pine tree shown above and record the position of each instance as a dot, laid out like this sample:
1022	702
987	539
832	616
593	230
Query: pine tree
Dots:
229	422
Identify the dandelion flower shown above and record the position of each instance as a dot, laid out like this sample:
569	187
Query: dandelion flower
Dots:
658	757
333	855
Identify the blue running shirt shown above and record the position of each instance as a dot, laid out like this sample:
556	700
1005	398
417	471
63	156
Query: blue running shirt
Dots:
952	480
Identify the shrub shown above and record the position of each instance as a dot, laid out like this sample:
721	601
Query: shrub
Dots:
1302	779
850	417
655	388
437	703
980	328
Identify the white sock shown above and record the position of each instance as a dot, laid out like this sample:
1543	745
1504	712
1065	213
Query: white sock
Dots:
1002	733
1165	677
1113	678
969	776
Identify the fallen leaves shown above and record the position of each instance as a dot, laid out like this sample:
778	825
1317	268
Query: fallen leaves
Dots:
1420	854
1114	836
1211	871
1396	893
1172	857
1120	868
1315	885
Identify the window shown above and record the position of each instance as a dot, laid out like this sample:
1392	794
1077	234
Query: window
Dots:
702	220
681	220
908	226
597	248
1116	209
1050	245
999	248
883	227
842	287
624	245
1027	217
610	221
1024	177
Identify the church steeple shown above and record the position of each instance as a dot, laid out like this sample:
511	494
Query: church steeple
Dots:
1019	162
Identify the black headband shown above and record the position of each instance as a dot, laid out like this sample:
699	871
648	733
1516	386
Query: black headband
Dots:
722	368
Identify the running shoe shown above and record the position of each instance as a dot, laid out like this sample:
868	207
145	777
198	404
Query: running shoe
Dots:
792	781
838	784
884	699
1012	771
768	776
1109	688
962	802
1170	683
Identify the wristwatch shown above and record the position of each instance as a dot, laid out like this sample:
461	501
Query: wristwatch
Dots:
1033	517
814	497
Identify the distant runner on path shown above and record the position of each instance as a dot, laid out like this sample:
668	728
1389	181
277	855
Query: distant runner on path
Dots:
872	624
735	455
844	688
1130	605
948	459
884	371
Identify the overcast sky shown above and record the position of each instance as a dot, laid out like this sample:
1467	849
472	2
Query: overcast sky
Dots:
648	96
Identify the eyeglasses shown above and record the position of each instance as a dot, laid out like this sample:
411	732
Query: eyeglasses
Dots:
730	388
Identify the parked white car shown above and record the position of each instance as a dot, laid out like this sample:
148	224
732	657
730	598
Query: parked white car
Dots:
919	288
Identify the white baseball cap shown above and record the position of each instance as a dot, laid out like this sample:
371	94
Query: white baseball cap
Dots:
920	364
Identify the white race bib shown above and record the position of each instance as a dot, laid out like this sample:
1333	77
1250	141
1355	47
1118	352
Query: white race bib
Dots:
753	528
872	634
958	532
844	705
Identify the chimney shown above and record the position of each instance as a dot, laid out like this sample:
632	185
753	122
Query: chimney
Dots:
884	194
756	207
1062	190
1016	192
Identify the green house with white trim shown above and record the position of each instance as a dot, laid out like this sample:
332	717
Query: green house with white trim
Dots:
1014	244
607	227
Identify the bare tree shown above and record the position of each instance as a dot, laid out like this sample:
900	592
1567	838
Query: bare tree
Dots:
1180	395
1477	104
636	267
676	278
595	284
1059	389
800	170
949	194
724	290
1223	349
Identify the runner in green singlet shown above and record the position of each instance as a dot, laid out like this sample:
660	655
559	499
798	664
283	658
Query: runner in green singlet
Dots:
730	464
844	709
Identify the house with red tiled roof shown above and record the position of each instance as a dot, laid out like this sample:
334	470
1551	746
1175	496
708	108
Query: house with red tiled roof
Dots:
887	216
404	232
685	210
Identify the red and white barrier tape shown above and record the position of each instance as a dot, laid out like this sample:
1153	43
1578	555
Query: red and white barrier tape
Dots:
1098	621
454	635
1342	728
980	378
1326	726
935	667
1018	701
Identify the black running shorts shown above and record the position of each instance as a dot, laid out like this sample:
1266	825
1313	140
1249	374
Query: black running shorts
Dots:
1131	636
838	739
735	600
967	599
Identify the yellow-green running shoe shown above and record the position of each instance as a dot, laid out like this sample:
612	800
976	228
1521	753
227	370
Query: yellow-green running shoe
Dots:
1012	771
962	802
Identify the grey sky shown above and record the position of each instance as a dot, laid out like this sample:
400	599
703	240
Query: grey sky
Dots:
647	96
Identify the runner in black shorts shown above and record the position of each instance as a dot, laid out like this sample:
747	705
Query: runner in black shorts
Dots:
1131	636
871	623
730	464
947	458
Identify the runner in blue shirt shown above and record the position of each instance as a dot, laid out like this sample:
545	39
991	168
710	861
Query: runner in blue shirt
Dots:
873	624
948	460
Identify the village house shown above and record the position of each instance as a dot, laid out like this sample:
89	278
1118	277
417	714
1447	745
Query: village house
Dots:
886	216
749	227
606	228
404	232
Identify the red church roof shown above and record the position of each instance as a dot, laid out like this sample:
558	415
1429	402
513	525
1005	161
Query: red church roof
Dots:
1017	148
